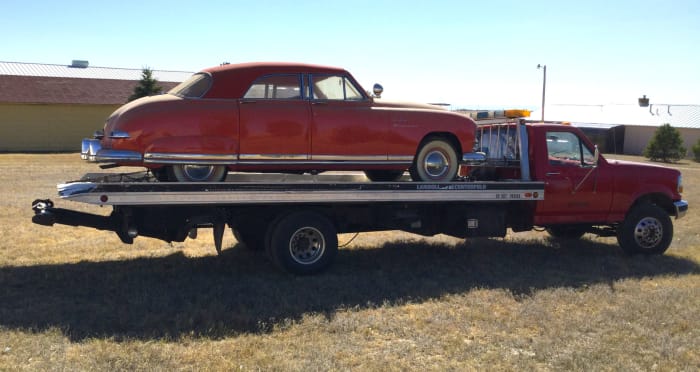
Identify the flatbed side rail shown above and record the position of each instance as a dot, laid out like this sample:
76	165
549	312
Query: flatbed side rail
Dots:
228	193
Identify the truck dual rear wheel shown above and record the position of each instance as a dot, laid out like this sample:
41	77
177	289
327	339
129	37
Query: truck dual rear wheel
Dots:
436	161
303	243
647	229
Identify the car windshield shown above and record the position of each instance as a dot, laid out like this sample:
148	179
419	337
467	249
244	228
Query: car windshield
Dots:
194	87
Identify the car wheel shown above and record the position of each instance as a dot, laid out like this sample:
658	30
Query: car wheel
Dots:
303	243
647	229
198	173
567	232
436	161
384	175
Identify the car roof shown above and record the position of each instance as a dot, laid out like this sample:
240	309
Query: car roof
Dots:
233	80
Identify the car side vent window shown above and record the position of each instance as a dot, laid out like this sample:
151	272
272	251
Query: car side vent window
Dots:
275	87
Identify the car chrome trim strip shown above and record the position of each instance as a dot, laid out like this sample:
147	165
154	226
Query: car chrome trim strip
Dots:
403	158
345	158
119	134
174	158
273	157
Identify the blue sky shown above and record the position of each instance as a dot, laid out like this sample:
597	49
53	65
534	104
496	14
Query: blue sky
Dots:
467	53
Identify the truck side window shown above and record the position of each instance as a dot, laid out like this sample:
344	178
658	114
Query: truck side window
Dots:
566	149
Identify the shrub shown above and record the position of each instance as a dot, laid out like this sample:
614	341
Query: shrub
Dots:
696	150
666	145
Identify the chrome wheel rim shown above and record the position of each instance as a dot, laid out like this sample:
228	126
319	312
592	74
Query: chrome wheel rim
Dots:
307	245
198	172
648	232
436	164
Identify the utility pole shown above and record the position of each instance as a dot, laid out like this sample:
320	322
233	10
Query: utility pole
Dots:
544	85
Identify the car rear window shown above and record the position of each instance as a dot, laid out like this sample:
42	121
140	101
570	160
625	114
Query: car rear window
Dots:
194	87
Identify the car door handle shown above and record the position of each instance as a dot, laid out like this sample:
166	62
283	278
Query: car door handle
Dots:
320	103
553	173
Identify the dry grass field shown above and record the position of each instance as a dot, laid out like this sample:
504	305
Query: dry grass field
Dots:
78	299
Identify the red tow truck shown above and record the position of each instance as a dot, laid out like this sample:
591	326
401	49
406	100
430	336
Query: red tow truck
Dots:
523	175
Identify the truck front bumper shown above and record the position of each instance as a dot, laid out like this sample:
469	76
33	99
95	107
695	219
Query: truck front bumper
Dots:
92	151
681	208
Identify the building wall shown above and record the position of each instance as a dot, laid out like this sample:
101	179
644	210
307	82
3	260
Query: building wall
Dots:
637	138
49	127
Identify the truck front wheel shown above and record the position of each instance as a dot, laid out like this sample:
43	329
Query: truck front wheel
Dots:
647	229
303	243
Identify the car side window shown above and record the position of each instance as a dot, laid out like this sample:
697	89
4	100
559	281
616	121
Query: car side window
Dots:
566	149
286	86
335	87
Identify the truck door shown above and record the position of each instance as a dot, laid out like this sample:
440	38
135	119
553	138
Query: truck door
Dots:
575	190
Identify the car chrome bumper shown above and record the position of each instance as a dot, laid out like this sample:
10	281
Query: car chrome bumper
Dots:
473	158
681	208
92	151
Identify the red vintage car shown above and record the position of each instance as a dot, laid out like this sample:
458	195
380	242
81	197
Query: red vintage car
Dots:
281	117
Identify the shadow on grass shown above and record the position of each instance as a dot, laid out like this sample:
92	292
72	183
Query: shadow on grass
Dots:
240	292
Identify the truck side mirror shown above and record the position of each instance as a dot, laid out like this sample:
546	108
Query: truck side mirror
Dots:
596	156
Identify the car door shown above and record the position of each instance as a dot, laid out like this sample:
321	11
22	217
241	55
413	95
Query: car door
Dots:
345	127
576	191
275	123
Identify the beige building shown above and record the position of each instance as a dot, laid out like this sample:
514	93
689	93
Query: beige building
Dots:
630	127
53	107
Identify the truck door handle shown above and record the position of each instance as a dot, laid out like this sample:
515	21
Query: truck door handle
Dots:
553	173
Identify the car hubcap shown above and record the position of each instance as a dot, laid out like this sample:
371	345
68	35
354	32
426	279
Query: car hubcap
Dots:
307	245
198	172
436	164
648	232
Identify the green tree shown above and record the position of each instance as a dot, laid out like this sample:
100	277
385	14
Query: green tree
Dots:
148	86
666	145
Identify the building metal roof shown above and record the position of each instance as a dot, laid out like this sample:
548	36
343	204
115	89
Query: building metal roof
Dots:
679	116
38	83
89	72
59	90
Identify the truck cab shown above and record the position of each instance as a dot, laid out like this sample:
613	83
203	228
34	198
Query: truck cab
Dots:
584	192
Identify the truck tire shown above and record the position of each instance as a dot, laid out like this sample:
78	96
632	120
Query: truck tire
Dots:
436	161
383	175
647	229
197	173
303	243
567	232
